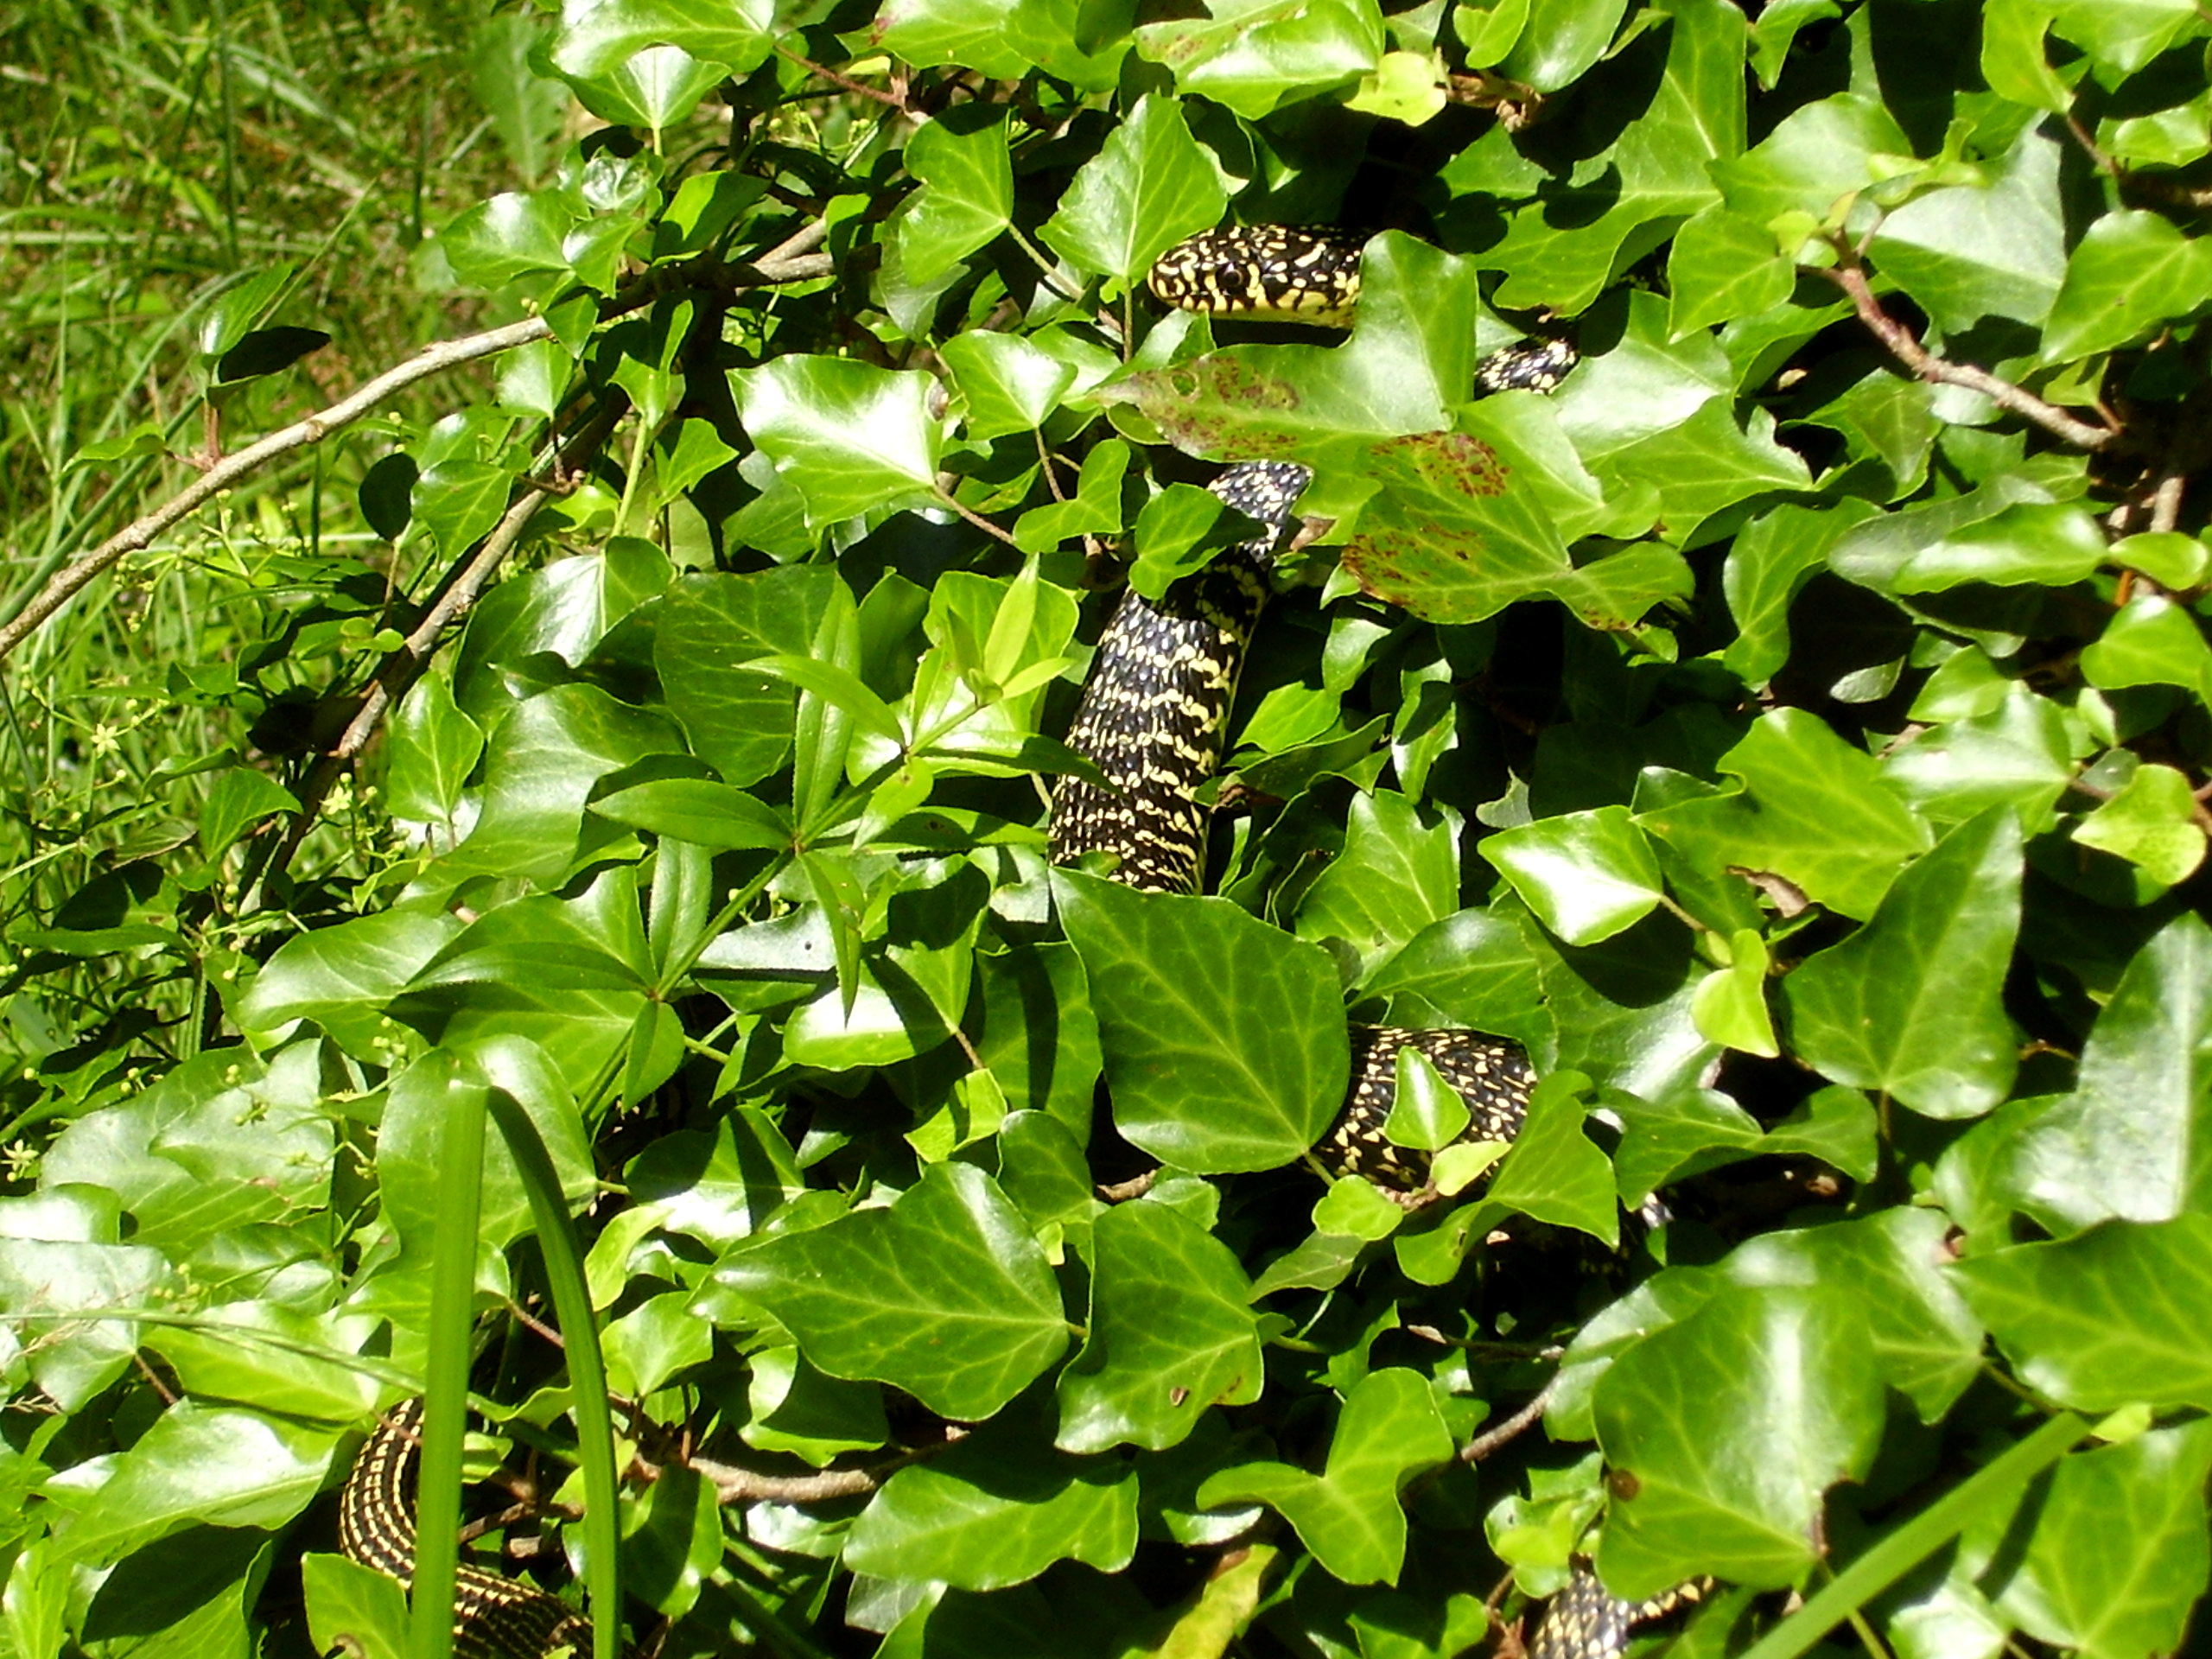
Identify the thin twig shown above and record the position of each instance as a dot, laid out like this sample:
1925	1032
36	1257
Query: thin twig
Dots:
848	84
140	533
732	1485
974	517
791	261
1512	1428
1135	1187
1902	345
404	666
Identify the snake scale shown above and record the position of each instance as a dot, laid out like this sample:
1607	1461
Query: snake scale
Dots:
1152	719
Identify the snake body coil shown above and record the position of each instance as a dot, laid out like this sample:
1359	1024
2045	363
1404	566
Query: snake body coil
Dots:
493	1617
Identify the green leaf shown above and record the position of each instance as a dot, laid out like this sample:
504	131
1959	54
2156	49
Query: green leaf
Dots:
1972	251
966	196
1410	360
1560	39
1171	1334
943	1294
1427	1113
1729	1007
2134	1139
2151	641
543	764
995	1511
199	1464
1585	875
1010	384
1812	810
847	435
1816	158
430	747
1691	1129
1258	55
1723	265
1224	1040
2018	754
1927	1342
2137	1510
738	719
1912	1003
1768	564
511	235
2047	544
1724	1431
1553	1173
1396	875
2151	822
695	810
346	1601
1475	970
1150	186
1349	1516
2130	272
2167	556
2114	1315
601	35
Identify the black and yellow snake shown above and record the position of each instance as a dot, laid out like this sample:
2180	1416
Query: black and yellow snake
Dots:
1152	717
1152	720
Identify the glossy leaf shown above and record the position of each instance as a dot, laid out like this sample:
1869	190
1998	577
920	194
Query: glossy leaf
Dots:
1724	1431
1348	1516
943	1294
847	435
2134	1139
1585	875
2113	1315
1224	1040
1171	1334
1912	1003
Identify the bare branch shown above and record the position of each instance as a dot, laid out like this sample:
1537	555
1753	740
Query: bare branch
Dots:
1908	350
1512	1428
791	261
140	533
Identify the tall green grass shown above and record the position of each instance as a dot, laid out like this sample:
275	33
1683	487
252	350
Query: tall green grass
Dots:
154	155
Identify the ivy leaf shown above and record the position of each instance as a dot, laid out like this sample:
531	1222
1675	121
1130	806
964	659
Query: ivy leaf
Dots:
1150	186
1912	1002
1171	1334
1258	55
2151	822
2130	272
1585	875
1723	1432
1224	1040
1010	384
737	719
1349	1516
849	437
943	1294
2113	1315
1553	1173
1812	810
997	1510
966	196
2138	1510
2134	1139
737	35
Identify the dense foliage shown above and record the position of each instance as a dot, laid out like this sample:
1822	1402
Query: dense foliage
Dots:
1794	730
